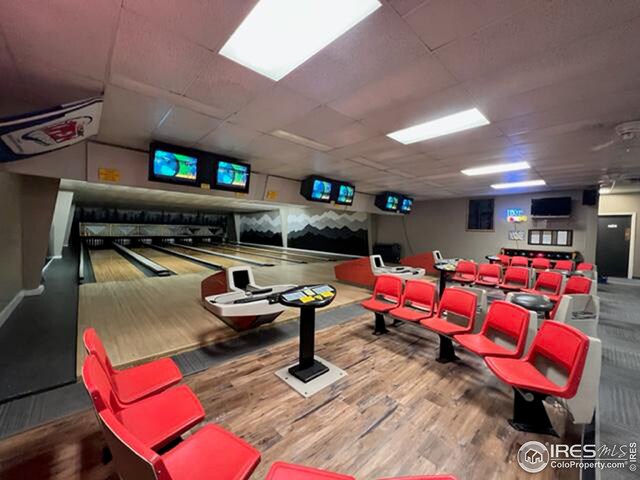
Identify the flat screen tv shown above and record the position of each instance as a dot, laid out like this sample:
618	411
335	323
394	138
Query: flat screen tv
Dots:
232	176
551	207
167	164
345	194
317	189
388	201
406	204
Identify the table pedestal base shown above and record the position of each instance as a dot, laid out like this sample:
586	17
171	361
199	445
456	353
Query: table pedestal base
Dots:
314	385
308	372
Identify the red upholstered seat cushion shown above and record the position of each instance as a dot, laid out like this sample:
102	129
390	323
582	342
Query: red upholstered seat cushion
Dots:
481	345
135	383
522	374
287	471
409	314
463	277
379	306
441	325
211	452
162	417
511	286
489	281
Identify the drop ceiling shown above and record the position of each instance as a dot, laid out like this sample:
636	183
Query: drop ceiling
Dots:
553	77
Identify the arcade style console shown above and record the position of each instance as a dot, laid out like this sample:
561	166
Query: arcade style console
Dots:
379	268
311	373
234	298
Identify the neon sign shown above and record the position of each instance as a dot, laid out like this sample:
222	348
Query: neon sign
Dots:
516	215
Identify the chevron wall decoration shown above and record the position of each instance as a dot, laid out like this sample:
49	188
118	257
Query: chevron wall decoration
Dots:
264	228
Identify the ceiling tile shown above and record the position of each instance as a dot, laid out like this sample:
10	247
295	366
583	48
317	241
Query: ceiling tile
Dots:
184	126
146	53
228	137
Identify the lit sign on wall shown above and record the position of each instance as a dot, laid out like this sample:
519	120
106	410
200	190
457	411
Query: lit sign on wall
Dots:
516	215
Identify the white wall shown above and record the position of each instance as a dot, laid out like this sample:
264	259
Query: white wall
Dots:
625	203
441	225
61	222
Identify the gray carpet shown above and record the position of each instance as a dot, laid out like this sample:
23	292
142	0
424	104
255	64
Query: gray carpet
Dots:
619	329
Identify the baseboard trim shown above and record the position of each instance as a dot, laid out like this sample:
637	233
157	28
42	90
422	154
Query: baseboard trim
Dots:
6	312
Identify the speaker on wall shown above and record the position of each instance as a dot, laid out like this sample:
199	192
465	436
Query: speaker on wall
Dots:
590	196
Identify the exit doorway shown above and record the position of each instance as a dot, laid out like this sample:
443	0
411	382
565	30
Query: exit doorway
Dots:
614	256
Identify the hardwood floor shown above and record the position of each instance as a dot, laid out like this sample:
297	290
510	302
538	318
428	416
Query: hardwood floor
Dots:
155	317
398	412
109	266
175	264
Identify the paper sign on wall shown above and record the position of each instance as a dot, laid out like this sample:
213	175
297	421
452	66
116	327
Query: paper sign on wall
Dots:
109	175
516	235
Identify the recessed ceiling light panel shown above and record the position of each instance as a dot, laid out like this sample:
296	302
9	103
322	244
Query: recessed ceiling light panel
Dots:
279	35
441	126
503	167
528	183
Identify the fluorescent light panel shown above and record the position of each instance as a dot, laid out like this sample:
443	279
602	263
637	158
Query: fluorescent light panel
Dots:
503	167
279	35
442	126
307	142
528	183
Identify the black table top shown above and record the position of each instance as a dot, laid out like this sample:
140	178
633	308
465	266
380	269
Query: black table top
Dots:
445	267
304	296
537	303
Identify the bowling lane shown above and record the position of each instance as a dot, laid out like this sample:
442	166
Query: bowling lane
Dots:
222	261
177	265
109	266
255	256
287	255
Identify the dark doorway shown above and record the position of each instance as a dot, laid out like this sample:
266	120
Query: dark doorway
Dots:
614	240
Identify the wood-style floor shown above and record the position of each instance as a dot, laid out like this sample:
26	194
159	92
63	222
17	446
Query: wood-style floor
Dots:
175	264
151	317
109	266
398	412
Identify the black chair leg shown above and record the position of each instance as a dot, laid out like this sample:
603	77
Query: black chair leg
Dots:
380	327
529	414
396	322
447	352
106	456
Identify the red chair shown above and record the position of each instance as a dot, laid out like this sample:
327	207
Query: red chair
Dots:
417	303
515	278
503	319
133	384
211	452
558	348
466	272
575	285
455	304
505	260
547	283
584	267
288	471
489	274
541	263
155	420
387	293
519	261
564	265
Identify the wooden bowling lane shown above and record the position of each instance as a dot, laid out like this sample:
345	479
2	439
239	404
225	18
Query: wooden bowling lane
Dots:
177	265
210	257
255	256
109	266
286	255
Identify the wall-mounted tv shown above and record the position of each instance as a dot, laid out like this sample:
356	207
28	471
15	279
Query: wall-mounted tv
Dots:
232	176
551	207
344	193
317	189
406	205
388	201
173	165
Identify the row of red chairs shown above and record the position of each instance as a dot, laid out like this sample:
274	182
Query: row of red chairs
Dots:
558	343
541	263
143	415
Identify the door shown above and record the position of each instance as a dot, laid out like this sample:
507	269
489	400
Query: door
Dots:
614	240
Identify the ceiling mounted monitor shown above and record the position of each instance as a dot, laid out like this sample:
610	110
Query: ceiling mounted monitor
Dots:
557	207
232	176
344	193
173	164
279	35
406	204
317	189
388	201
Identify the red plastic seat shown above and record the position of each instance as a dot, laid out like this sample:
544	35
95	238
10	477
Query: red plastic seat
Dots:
557	344
466	272
547	283
417	303
582	267
505	318
489	274
515	278
541	263
135	383
519	261
154	420
575	285
288	471
564	265
455	302
386	294
505	260
211	452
